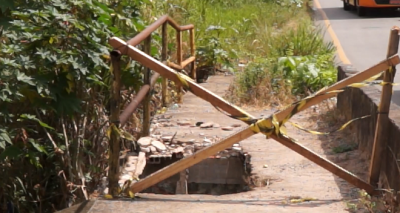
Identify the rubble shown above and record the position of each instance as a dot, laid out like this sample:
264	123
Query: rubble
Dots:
158	145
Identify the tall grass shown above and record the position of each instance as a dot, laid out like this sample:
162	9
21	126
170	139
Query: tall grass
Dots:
261	32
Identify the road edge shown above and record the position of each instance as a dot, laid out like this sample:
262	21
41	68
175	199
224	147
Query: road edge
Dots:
339	49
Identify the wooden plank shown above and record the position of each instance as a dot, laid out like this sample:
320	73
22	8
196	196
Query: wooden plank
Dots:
114	147
181	185
187	61
324	163
184	64
147	99
382	130
164	53
179	62
193	53
140	164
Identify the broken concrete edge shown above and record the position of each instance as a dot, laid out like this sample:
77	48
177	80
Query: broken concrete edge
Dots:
356	102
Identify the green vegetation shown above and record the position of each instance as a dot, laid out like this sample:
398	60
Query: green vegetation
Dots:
54	89
284	50
344	148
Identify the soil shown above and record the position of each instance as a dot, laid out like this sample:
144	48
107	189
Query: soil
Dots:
282	174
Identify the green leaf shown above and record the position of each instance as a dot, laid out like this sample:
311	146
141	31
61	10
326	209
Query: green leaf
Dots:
24	78
4	138
32	117
6	4
38	147
11	152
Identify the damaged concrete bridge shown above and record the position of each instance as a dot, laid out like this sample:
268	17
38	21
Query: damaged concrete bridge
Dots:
169	162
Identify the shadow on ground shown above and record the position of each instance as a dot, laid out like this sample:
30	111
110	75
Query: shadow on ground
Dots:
341	149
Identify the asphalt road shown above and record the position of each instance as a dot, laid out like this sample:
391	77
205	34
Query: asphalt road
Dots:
361	41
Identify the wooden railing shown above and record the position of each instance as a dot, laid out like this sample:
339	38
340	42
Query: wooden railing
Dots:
144	96
145	35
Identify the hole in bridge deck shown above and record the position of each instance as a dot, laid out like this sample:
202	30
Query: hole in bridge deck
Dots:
215	175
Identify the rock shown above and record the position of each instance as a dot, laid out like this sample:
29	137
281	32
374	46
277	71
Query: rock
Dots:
227	128
145	141
201	134
199	123
207	125
163	120
178	150
237	148
236	125
158	145
145	149
184	123
125	177
236	145
188	152
166	138
216	126
198	146
234	154
153	149
207	140
206	143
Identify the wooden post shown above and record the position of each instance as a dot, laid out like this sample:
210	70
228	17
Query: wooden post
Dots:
164	50
179	62
147	99
193	54
114	147
381	131
181	185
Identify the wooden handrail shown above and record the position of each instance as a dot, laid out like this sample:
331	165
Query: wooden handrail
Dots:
153	27
146	34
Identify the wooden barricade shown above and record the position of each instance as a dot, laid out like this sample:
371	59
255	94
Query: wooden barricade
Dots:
169	73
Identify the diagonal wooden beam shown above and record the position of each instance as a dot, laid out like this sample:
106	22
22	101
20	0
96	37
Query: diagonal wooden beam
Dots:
206	95
235	111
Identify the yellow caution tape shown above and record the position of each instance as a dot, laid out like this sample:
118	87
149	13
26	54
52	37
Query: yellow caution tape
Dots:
183	81
327	133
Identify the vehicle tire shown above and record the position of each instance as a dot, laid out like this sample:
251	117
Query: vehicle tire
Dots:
361	11
346	5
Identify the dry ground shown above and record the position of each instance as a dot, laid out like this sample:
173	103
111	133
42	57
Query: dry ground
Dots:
287	173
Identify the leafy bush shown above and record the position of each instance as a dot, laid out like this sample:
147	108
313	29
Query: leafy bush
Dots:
307	73
54	86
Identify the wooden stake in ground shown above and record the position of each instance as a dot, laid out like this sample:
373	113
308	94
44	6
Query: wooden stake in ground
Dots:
164	49
113	162
381	131
235	111
147	99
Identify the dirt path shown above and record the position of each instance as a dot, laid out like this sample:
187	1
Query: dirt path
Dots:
287	173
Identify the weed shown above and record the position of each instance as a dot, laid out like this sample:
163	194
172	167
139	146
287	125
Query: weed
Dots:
344	148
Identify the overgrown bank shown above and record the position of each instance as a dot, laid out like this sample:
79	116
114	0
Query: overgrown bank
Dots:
282	54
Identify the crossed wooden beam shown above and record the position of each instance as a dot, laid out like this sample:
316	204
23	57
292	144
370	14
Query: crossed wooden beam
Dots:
252	129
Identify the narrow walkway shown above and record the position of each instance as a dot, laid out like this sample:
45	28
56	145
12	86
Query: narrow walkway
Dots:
286	174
